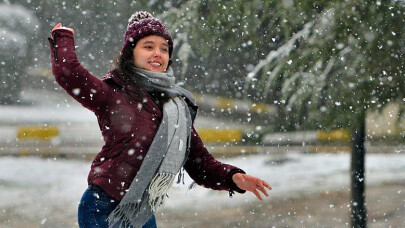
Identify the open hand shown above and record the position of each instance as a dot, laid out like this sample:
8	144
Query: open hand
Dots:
59	26
251	184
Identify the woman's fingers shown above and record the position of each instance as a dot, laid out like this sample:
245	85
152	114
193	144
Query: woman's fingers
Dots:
57	26
262	189
54	28
257	194
259	186
267	185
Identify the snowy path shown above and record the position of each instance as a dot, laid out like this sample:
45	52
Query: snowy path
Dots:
34	188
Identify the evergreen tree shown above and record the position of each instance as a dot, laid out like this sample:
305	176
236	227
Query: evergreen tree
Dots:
348	60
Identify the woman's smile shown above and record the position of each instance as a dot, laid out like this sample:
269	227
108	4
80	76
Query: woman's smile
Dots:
152	53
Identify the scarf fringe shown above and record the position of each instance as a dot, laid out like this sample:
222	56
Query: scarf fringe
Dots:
119	215
158	188
180	177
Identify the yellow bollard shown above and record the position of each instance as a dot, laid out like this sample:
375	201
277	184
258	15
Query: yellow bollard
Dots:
37	133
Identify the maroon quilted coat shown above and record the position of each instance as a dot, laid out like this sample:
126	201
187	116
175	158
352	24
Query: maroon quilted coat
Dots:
128	123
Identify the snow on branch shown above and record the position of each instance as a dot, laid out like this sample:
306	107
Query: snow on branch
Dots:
281	51
182	27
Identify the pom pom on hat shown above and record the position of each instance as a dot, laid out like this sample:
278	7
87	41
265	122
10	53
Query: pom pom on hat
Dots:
138	16
142	24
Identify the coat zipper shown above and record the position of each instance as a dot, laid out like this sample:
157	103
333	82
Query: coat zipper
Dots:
55	51
55	47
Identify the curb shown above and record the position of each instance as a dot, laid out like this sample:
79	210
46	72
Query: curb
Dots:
84	142
224	103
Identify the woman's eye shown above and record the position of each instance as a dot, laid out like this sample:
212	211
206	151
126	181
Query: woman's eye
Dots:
148	47
164	50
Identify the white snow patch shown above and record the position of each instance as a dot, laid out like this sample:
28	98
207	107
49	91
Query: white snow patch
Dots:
34	186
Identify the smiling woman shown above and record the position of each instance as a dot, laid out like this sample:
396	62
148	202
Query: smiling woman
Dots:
152	53
147	124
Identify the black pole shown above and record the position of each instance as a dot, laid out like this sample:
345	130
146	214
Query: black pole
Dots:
358	209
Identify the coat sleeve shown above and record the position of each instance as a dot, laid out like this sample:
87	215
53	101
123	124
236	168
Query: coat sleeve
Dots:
208	172
87	89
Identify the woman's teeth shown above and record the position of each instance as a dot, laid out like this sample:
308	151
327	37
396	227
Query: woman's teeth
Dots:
156	64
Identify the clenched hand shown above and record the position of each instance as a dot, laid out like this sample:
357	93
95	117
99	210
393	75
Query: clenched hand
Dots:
59	26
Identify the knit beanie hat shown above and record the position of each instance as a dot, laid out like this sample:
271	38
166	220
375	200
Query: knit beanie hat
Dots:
142	24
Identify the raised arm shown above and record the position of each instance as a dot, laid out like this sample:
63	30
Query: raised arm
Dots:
87	89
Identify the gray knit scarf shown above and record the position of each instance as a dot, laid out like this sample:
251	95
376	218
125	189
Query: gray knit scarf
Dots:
165	157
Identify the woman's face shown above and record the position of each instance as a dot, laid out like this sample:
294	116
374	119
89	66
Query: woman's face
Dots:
152	53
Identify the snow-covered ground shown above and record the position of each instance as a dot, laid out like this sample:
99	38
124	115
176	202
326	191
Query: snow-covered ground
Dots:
34	188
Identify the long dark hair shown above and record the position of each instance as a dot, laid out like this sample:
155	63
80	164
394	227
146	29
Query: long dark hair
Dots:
124	63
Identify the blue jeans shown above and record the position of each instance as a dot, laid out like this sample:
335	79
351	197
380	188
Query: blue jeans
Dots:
95	207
